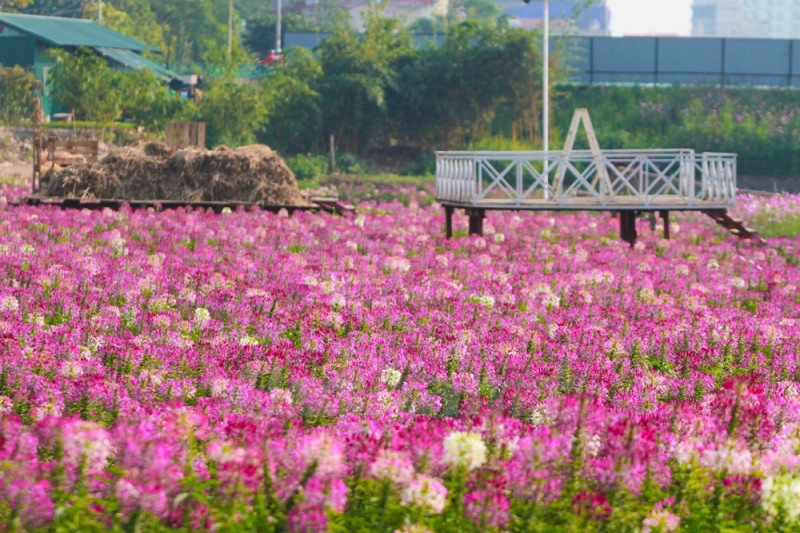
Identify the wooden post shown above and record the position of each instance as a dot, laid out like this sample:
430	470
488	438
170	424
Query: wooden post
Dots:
665	218
448	221
185	134
627	226
476	217
36	178
200	140
331	156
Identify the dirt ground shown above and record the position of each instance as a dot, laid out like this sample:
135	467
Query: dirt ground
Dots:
15	172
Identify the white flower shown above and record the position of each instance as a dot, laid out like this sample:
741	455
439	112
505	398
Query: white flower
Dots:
338	301
713	264
464	448
88	443
781	493
70	369
247	340
391	377
201	317
6	405
399	264
592	445
426	493
326	451
226	210
499	237
483	300
647	295
392	466
9	303
281	396
359	221
682	270
662	521
551	301
539	416
219	386
738	283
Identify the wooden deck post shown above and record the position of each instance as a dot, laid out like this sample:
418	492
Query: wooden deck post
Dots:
476	217
627	226
665	218
448	221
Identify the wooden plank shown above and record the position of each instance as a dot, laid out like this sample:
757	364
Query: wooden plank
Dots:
65	152
589	203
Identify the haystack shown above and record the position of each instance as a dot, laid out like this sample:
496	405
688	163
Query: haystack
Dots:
252	174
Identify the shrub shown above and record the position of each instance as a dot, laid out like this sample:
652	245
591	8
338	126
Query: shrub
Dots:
307	167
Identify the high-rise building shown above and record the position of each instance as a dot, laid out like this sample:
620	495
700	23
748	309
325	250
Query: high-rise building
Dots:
776	19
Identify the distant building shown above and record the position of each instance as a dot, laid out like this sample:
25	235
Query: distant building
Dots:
25	39
772	19
590	21
408	10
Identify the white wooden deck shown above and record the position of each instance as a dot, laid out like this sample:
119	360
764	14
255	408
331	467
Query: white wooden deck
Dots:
614	180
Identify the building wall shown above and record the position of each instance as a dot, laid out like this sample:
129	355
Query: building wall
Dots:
23	50
774	19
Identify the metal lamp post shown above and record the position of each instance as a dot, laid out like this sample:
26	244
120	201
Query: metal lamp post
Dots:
278	29
99	11
546	80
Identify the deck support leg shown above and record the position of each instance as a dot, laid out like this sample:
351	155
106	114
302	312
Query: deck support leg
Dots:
476	217
665	218
627	226
651	217
448	221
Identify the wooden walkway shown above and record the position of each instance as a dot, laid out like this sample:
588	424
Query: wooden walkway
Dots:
628	182
325	205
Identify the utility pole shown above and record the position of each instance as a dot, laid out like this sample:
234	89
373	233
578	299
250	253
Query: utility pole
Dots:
230	27
100	12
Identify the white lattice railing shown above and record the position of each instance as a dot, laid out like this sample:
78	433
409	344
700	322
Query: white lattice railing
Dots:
558	179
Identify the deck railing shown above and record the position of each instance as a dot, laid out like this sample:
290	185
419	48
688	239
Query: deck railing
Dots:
559	179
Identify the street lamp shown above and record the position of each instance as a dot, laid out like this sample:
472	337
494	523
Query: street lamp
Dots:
100	11
545	75
546	79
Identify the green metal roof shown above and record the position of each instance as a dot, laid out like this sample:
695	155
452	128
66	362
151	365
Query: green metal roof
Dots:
60	31
133	60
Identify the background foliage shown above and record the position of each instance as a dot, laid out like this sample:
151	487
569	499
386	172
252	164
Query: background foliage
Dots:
480	88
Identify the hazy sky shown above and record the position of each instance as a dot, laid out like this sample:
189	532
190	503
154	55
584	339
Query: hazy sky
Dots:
650	17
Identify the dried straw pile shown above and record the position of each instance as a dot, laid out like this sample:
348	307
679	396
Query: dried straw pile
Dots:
253	174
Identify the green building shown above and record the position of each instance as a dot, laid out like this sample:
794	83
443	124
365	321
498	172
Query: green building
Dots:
25	39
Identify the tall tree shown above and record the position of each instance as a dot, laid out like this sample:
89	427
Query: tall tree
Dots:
14	4
15	93
483	80
293	121
134	18
55	8
357	72
84	83
191	28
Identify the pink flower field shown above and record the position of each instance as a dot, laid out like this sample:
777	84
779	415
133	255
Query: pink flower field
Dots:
181	370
